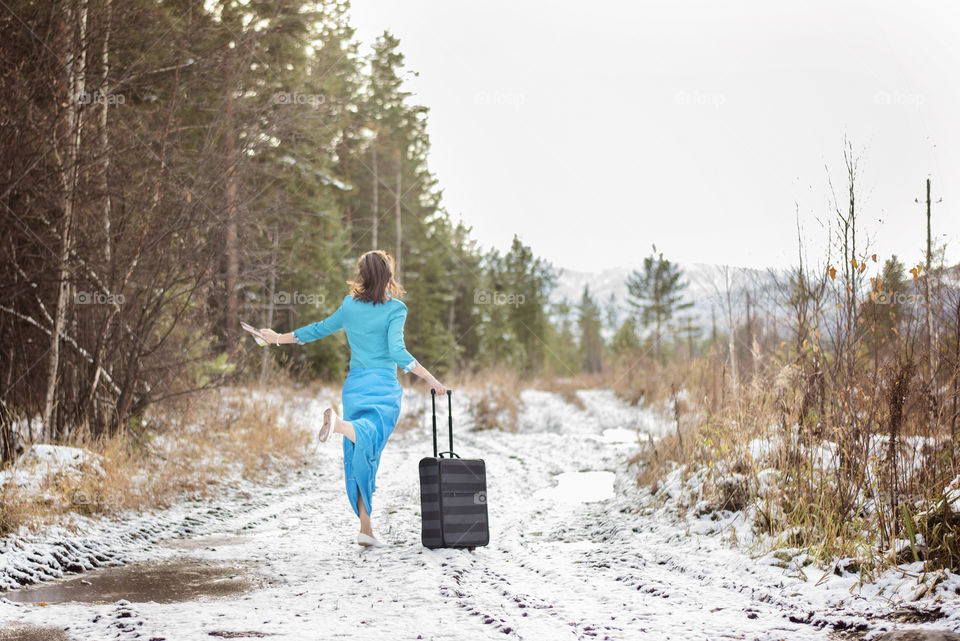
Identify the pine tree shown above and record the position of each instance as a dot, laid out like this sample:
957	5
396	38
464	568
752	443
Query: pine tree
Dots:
528	281
562	357
590	325
656	295
625	341
499	343
883	311
612	313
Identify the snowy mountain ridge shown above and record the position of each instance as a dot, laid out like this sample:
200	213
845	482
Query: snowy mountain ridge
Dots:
707	288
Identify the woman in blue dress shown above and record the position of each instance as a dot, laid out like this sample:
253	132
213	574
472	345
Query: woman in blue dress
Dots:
373	316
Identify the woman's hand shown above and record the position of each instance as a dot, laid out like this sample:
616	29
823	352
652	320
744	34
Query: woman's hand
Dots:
271	336
422	372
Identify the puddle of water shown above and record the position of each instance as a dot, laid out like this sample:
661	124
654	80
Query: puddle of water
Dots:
33	633
160	582
619	435
203	542
581	487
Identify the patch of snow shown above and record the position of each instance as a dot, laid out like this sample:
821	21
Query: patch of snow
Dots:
620	435
41	461
580	487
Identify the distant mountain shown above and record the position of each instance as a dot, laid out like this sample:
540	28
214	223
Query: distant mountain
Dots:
707	289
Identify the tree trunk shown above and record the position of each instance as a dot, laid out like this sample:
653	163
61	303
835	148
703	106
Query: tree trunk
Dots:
451	317
656	340
749	365
398	208
731	344
931	343
75	49
231	205
104	135
956	387
265	353
376	195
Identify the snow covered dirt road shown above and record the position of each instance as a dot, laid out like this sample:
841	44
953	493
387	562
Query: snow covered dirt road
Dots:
568	559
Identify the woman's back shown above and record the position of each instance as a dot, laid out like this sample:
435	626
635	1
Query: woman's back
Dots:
374	331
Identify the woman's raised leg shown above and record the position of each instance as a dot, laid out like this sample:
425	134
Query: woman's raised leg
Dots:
345	428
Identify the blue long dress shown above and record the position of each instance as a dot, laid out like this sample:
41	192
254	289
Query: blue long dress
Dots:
371	394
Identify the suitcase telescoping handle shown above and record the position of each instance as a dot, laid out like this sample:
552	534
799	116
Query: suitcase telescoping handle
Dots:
433	402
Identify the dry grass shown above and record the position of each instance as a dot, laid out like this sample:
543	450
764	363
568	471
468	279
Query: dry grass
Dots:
495	398
407	422
939	527
185	447
568	386
644	380
13	509
834	507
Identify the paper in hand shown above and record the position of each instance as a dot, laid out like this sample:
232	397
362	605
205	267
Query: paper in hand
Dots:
257	336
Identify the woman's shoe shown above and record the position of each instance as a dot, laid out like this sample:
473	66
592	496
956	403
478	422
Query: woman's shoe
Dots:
329	421
367	541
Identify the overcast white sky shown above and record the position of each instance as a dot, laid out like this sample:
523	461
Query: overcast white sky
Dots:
593	129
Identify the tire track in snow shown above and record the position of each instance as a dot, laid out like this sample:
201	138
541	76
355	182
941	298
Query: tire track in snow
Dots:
575	565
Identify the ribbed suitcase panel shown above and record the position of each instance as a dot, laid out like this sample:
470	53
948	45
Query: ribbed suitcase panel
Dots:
431	535
463	489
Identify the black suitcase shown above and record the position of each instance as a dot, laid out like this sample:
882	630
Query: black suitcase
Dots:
453	495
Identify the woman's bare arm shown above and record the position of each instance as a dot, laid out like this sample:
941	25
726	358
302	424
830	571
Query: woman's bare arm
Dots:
422	372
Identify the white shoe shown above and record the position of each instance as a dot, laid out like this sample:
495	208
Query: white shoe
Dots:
330	419
368	541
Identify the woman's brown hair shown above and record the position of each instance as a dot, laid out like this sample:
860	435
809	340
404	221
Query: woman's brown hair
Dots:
374	278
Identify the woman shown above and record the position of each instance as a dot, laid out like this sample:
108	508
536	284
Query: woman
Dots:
373	317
